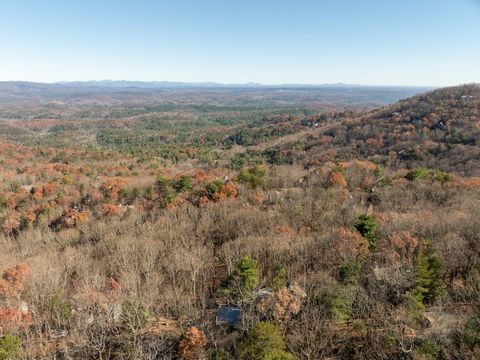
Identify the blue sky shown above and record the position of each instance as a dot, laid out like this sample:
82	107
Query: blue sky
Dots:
408	42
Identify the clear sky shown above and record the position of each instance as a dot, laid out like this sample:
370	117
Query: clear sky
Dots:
394	42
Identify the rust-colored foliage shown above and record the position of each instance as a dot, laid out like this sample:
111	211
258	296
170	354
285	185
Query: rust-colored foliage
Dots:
381	217
11	223
399	248
37	193
200	176
348	245
80	217
179	200
281	305
113	285
30	216
66	200
94	195
337	179
108	209
192	343
49	189
11	202
112	187
228	190
365	164
202	201
13	319
73	217
472	183
342	194
13	278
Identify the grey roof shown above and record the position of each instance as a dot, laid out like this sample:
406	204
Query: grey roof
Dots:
229	315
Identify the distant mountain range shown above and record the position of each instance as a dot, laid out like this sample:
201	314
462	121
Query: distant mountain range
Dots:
13	92
181	85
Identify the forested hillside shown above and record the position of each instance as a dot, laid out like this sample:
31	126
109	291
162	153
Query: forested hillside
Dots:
438	129
294	228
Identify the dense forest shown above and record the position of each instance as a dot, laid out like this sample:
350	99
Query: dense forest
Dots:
269	224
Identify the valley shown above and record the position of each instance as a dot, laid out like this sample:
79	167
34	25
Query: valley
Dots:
159	222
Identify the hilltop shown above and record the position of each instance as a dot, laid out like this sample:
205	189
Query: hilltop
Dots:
438	129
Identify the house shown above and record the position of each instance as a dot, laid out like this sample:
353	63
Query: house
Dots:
228	315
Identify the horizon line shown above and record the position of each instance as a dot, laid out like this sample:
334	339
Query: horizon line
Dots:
227	84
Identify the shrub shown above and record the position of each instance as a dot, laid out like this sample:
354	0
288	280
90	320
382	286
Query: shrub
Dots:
347	245
281	305
162	183
192	343
366	225
219	354
442	177
253	176
111	210
337	302
244	279
473	277
264	342
136	193
399	247
280	278
13	319
337	179
124	193
278	355
421	173
183	184
9	347
134	316
427	350
12	280
214	187
59	308
417	174
349	271
228	191
429	285
360	327
380	178
167	197
249	272
148	193
469	336
11	224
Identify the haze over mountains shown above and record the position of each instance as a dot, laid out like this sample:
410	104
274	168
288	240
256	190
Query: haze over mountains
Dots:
26	86
175	84
155	92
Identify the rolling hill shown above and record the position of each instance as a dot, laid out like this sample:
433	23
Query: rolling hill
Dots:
439	129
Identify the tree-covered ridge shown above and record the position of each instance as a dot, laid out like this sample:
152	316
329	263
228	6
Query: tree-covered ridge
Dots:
439	129
263	235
